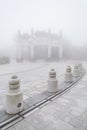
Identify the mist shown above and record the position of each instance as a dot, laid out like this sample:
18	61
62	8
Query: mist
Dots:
66	16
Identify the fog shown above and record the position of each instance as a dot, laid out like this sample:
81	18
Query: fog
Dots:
66	16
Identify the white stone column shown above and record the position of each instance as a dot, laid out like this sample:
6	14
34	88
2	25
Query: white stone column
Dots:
32	52
14	97
80	67
68	75
76	72
60	52
49	52
52	83
19	53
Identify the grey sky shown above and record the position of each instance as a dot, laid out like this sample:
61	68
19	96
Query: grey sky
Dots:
70	16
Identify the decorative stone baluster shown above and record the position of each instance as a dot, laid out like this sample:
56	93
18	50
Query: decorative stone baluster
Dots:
76	72
14	97
80	68
68	75
52	82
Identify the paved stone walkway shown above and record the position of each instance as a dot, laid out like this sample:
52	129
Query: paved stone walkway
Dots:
33	77
68	112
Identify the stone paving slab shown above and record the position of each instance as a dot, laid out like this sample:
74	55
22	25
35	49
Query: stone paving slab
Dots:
68	112
4	116
23	125
33	79
34	99
30	82
10	125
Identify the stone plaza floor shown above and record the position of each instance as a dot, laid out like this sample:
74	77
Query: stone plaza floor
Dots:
67	112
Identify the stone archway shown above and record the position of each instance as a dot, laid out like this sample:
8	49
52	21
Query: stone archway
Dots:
40	52
55	53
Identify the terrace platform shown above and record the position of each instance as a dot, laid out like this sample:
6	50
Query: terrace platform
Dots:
66	112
